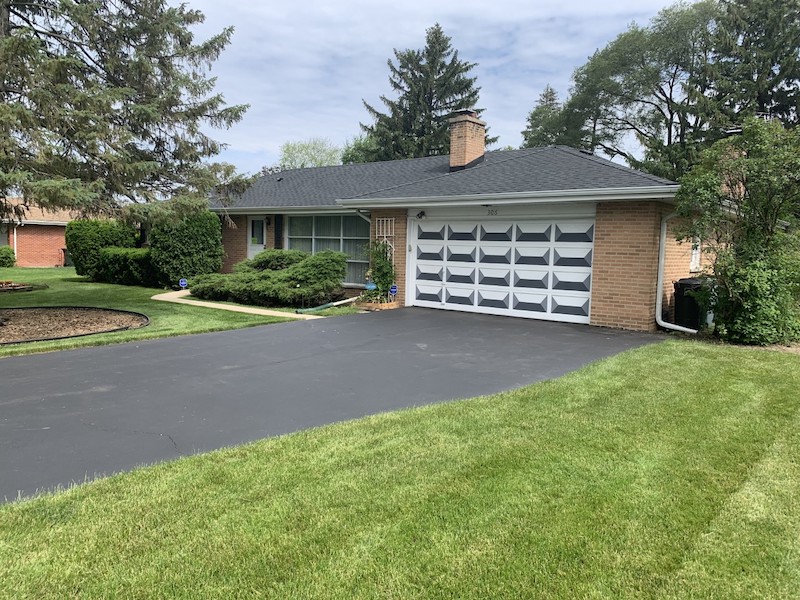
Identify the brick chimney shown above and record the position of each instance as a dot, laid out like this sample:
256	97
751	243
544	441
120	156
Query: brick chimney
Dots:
467	140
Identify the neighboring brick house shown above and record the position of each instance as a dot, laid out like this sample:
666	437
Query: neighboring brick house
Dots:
38	239
549	233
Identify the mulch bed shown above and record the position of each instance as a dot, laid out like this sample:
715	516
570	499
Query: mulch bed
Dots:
29	324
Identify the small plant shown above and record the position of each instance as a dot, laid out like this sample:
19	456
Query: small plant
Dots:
381	272
7	257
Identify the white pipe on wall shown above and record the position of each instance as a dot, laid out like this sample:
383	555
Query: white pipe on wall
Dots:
662	259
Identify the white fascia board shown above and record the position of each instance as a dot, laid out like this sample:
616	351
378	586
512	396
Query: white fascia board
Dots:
663	192
283	210
26	222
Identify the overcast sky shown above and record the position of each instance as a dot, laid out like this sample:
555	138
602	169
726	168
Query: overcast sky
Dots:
304	67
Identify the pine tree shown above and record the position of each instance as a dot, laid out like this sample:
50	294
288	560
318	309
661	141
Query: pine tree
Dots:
757	61
431	84
545	125
104	101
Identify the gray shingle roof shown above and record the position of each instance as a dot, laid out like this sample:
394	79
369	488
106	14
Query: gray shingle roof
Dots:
508	171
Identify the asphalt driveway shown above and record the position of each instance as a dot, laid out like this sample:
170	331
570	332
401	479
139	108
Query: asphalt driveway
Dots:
70	416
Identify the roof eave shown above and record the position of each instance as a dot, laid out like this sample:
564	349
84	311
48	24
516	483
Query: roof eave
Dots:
274	210
664	193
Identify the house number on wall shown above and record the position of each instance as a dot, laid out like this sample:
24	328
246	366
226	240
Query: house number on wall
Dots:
492	212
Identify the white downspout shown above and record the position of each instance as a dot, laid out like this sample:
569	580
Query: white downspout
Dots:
662	254
15	241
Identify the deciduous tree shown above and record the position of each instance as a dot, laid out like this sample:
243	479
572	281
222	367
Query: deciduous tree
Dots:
313	152
742	200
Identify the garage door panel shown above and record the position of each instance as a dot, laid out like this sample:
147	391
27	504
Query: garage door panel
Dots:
525	278
536	303
501	277
536	269
428	293
461	254
496	233
572	257
572	281
533	232
429	272
462	232
490	299
575	232
426	231
498	255
460	275
460	296
532	256
430	252
570	305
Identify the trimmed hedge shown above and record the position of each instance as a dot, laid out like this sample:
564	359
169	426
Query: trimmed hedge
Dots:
188	248
271	260
315	280
7	257
85	240
126	266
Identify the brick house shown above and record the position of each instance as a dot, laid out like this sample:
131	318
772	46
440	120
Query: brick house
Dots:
547	233
38	239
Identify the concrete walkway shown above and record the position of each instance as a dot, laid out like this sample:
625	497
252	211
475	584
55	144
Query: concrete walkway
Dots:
179	297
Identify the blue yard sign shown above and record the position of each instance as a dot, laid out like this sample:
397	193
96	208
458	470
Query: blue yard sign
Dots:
393	290
183	283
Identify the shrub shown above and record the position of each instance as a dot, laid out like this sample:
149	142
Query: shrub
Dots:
315	280
190	247
271	260
381	269
126	266
7	257
85	239
754	301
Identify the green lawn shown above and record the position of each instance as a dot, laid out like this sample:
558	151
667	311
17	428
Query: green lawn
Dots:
66	289
671	471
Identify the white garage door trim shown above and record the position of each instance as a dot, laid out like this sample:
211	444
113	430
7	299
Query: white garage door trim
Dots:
533	268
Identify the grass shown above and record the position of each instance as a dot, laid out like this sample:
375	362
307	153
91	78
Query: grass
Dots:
670	471
67	289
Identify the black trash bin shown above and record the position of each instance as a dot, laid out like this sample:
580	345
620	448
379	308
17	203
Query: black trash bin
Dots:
687	309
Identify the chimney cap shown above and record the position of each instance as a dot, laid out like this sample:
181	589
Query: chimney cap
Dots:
465	114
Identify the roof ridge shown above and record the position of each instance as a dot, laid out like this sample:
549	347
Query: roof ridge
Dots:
472	169
604	161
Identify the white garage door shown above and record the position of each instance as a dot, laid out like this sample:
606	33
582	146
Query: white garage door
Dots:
537	269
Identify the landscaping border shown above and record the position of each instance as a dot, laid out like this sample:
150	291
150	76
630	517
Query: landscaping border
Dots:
66	337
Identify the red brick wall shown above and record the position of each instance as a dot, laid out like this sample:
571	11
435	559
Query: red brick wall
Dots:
234	241
39	245
399	242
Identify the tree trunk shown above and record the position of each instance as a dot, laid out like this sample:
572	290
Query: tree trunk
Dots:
5	19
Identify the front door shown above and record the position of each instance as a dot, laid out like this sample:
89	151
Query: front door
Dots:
256	232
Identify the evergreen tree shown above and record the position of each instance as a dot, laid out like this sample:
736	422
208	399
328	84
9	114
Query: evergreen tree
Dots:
431	84
757	62
104	101
545	123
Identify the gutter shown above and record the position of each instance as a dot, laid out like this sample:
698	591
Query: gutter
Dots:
661	192
662	253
